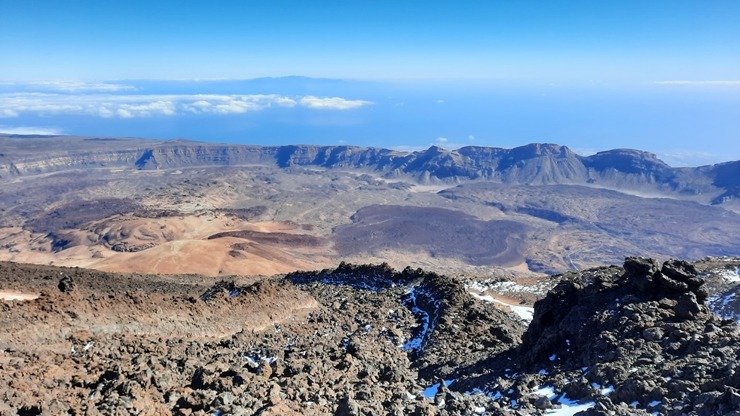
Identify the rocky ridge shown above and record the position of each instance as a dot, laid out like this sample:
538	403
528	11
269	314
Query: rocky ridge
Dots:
532	164
621	340
365	340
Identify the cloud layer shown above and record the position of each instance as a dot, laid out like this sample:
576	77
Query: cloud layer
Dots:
73	87
726	83
48	131
140	105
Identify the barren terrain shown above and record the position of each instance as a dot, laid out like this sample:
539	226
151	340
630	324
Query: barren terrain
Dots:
187	208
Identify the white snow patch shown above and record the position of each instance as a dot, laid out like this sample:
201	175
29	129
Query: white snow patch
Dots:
553	357
730	275
487	298
507	287
568	407
416	342
727	299
524	312
479	409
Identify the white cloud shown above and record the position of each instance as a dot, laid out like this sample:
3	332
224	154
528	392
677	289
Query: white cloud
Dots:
69	86
408	149
442	140
331	103
586	151
8	113
128	106
471	137
48	131
689	158
735	83
440	101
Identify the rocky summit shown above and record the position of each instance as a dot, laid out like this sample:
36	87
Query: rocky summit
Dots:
642	338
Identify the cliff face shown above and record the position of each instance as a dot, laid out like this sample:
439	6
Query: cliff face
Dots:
533	164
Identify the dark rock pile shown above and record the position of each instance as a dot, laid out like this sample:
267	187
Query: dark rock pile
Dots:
624	340
367	340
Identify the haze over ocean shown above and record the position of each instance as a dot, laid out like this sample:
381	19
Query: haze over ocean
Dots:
661	76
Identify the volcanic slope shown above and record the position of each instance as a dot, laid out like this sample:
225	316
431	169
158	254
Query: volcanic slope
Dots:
366	340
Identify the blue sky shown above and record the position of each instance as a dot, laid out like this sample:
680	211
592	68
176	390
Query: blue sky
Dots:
618	41
662	76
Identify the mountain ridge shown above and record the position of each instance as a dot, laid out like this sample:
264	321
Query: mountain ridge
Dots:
531	164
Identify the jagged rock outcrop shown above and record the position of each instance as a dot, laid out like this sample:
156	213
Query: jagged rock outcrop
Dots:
621	340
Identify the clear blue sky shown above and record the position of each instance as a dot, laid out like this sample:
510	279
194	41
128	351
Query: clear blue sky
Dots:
655	75
615	41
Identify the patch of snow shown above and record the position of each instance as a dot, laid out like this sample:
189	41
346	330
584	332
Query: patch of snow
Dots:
507	287
428	321
479	409
524	312
542	372
416	342
88	346
720	305
553	357
727	299
568	407
254	359
654	403
607	391
252	362
730	275
487	298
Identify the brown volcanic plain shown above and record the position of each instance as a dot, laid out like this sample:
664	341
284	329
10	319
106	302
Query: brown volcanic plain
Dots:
174	207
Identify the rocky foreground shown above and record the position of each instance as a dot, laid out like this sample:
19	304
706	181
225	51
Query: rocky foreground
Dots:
366	340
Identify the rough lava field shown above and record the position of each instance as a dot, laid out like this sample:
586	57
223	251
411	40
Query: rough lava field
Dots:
175	277
368	340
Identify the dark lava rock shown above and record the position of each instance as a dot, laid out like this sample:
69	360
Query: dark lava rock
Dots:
66	284
632	339
371	339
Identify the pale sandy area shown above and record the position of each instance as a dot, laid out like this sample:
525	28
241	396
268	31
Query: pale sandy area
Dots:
172	245
12	295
